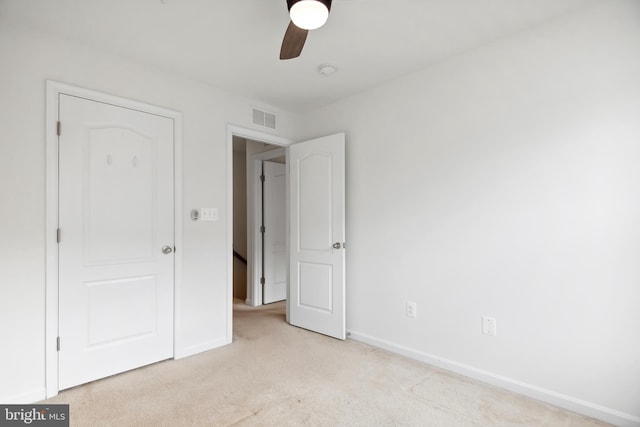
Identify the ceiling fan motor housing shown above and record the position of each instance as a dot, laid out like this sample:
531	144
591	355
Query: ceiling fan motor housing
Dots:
327	3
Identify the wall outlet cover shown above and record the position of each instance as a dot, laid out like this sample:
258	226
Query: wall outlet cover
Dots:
489	325
412	309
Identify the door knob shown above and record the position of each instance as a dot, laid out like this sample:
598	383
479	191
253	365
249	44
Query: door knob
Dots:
167	250
336	245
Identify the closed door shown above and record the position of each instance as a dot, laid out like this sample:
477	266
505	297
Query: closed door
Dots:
274	236
316	245
116	263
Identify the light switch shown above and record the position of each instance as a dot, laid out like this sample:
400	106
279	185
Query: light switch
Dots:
209	214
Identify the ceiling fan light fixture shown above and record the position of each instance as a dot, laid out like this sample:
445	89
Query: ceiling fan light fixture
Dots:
309	14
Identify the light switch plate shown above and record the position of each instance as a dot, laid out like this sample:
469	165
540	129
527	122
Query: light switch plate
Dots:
209	214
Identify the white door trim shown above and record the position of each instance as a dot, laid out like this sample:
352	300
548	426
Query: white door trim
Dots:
254	135
254	211
54	89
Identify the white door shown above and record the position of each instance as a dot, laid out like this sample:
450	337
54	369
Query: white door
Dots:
317	232
275	236
116	245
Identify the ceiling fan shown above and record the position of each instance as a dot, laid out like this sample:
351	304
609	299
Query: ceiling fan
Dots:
305	15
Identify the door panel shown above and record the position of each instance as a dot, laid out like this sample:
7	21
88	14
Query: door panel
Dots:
318	286
317	221
120	170
133	299
314	198
116	213
275	236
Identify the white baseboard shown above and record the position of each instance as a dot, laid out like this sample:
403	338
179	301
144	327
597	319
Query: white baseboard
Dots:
25	398
558	399
199	348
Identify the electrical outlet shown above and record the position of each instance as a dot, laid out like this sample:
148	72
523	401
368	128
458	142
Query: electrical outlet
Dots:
489	325
412	309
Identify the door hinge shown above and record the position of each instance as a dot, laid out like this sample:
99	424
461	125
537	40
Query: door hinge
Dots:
58	235
262	178
262	280
59	128
58	344
262	229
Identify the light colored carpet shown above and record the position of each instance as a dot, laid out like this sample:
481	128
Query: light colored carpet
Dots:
278	375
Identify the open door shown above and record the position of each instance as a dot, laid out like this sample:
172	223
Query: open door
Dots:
274	253
317	233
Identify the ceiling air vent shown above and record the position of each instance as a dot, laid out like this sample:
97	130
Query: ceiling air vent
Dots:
262	118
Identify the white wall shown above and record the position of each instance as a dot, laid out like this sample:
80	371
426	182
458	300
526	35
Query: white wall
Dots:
29	58
506	182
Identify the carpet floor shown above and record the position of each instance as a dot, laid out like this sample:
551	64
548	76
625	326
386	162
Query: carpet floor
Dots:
278	375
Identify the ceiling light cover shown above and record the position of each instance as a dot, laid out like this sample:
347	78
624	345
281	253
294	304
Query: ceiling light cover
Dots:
309	14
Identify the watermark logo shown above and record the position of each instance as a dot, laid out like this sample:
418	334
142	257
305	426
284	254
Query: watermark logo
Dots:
34	415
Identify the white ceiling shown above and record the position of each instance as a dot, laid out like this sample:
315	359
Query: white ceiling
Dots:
235	44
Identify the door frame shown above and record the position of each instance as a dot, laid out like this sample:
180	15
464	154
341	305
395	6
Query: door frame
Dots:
254	135
254	216
53	91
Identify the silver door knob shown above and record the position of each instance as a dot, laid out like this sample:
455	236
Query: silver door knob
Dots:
167	250
336	245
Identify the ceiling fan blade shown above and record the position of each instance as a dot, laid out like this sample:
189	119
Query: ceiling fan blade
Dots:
293	42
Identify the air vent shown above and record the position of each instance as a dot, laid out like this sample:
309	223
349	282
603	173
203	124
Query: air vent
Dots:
262	118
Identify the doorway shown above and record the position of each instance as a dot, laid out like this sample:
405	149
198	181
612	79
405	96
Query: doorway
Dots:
315	187
259	253
241	134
